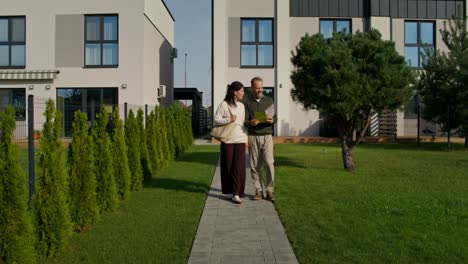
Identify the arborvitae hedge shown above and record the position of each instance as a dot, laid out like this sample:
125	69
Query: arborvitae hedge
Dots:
176	131
144	156
51	213
169	120
83	204
133	142
16	234
163	144
119	156
188	127
107	198
154	155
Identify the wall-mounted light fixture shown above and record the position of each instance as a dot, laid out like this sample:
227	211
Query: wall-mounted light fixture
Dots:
47	86
124	85
31	86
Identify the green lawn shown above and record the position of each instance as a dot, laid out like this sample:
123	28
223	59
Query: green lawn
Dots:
402	205
155	225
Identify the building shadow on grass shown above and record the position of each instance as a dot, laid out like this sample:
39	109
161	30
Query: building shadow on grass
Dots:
178	185
425	146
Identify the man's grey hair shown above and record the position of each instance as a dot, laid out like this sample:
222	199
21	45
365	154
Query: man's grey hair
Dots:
256	78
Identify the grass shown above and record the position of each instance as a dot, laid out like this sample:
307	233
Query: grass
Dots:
155	225
403	204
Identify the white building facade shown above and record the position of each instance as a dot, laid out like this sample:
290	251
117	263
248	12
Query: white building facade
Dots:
256	37
86	53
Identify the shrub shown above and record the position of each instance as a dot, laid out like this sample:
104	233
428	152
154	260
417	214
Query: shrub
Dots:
119	157
16	243
83	204
144	156
107	198
49	204
133	142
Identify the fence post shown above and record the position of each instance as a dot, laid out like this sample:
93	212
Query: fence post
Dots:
125	113
32	176
146	115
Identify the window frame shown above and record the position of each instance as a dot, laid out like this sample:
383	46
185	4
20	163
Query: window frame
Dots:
335	20
101	40
419	44
11	43
13	91
257	42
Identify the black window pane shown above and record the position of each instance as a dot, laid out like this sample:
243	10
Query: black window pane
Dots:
93	28
427	33
343	26
3	30
110	54
411	56
19	103
411	32
18	29
248	55
110	28
326	28
265	30
18	55
248	30
4	55
265	55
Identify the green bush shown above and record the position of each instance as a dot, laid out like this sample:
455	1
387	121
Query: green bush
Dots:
107	198
83	204
16	243
49	204
119	157
144	156
132	138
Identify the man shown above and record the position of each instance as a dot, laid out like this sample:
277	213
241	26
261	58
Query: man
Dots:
259	120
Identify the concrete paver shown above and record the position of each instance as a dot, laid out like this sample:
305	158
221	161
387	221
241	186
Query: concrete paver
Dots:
247	233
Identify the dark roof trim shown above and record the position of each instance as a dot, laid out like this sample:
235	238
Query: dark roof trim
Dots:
169	11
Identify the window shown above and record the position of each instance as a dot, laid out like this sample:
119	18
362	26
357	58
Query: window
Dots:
328	26
101	41
13	42
15	97
89	101
419	38
257	42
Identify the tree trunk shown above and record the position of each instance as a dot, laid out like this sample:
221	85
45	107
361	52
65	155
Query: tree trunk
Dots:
347	153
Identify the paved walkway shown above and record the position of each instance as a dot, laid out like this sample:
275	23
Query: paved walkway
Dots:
240	234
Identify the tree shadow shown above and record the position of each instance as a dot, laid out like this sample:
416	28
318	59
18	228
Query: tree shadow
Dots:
199	157
288	162
178	185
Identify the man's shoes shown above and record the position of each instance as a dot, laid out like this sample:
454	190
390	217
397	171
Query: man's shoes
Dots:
270	196
258	195
236	199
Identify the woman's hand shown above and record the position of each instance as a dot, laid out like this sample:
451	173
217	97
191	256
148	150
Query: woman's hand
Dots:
233	118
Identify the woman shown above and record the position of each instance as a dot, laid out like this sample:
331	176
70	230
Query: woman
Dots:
233	149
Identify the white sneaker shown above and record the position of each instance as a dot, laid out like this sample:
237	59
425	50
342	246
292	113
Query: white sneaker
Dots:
229	196
236	199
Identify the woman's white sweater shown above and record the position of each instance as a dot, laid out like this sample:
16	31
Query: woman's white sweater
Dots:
223	116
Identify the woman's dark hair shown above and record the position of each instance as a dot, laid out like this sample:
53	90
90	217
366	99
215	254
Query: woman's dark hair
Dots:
231	88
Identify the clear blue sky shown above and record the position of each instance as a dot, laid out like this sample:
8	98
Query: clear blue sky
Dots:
193	36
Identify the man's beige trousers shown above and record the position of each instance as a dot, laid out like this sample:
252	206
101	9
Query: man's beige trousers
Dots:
261	152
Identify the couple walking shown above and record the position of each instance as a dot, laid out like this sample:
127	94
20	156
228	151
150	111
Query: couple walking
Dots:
254	125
